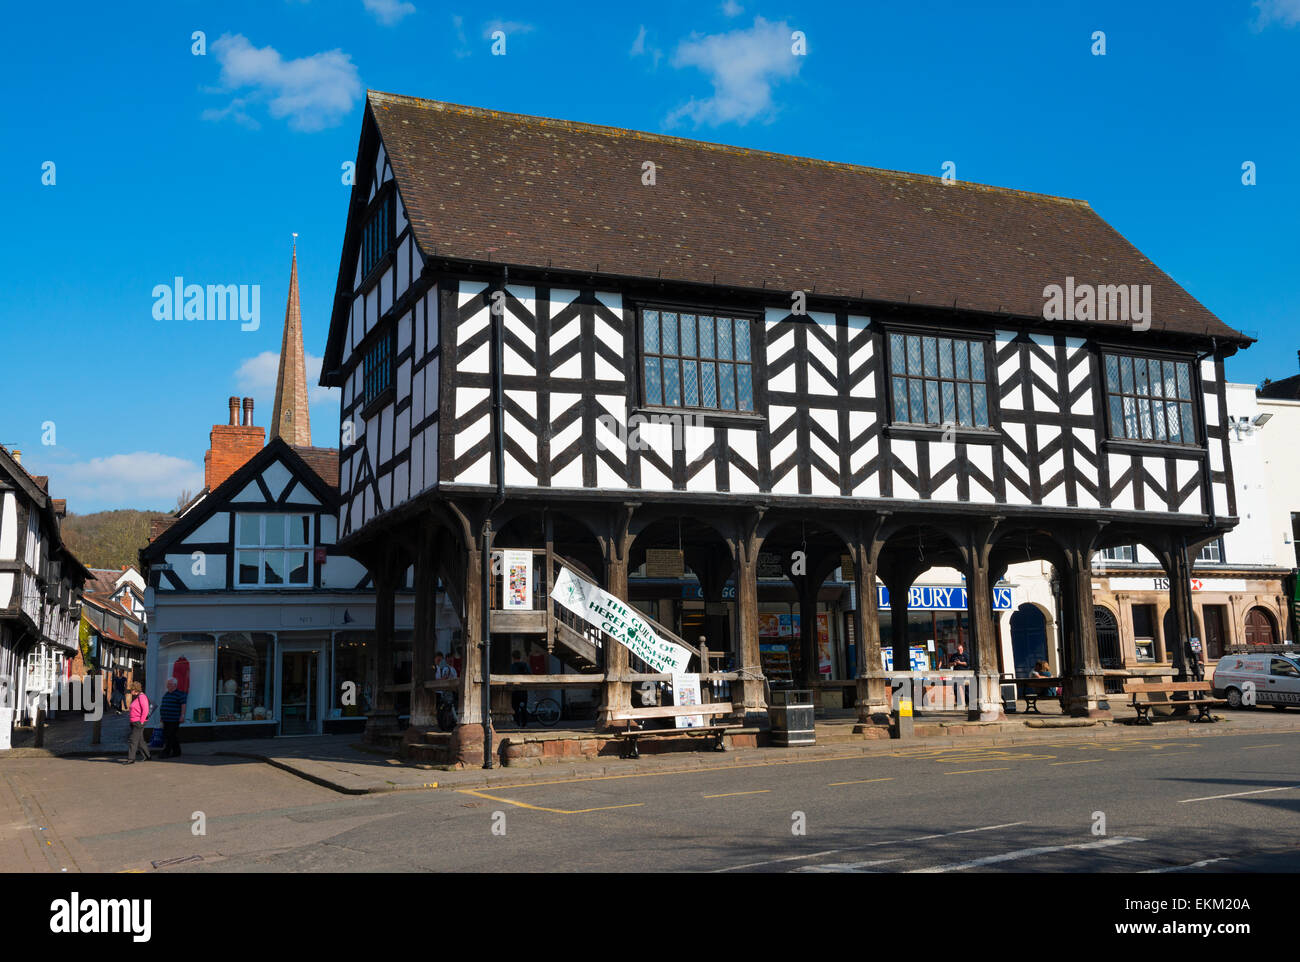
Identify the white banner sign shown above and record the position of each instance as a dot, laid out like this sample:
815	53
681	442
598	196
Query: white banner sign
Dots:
1162	584
619	621
686	691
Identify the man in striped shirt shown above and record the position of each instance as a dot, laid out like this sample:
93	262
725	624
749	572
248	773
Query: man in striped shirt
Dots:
170	712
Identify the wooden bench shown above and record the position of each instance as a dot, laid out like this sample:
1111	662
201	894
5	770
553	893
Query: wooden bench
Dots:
1201	702
631	736
1032	695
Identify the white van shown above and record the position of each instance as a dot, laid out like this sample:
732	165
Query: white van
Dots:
1274	679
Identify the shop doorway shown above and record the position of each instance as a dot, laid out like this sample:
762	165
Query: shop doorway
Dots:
1028	639
298	705
1215	631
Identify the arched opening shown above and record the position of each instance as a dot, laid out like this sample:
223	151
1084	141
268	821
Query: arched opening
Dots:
1108	653
1261	629
1028	639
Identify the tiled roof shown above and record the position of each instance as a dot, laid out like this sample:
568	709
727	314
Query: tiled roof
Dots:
1287	389
485	186
323	461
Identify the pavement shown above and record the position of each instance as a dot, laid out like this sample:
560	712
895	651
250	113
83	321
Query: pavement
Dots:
1173	798
344	765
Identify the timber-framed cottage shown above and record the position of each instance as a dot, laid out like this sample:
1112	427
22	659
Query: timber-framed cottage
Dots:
607	347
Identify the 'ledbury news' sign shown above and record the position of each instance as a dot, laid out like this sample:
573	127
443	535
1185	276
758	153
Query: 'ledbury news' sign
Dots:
619	621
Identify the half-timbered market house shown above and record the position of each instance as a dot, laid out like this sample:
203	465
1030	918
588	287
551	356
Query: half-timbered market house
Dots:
652	362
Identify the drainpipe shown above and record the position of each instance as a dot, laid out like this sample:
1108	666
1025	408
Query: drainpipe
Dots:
498	428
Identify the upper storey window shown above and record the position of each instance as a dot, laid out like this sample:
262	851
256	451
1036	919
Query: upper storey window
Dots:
937	381
1150	399
273	550
377	372
376	236
696	360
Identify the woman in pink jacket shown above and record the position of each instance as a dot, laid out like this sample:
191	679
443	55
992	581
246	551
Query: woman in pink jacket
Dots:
140	710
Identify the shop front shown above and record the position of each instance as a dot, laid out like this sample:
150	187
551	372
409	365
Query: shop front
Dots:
262	677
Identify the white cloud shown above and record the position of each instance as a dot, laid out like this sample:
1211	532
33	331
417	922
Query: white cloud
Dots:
638	45
731	8
743	66
462	43
312	92
142	479
640	49
1286	12
508	27
389	12
256	377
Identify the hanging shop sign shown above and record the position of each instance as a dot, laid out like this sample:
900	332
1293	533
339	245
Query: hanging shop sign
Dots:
620	621
517	577
941	598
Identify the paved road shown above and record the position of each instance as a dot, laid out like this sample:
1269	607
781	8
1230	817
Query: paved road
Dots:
1217	803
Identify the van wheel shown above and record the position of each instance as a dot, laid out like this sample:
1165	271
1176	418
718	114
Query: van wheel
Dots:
1234	698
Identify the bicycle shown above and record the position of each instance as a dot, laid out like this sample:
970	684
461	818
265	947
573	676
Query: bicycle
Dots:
544	711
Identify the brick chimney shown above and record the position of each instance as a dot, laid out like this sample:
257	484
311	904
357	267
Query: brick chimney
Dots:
230	446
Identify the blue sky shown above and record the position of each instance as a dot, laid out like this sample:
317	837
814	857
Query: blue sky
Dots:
167	163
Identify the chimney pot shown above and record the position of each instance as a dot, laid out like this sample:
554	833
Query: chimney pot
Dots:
234	411
248	412
18	456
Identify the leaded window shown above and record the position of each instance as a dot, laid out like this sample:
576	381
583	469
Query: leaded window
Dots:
377	369
938	381
693	360
376	236
1150	399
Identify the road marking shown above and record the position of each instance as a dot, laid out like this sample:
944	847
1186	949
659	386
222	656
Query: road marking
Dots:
1024	853
846	866
860	781
540	808
972	771
761	791
1167	754
1179	868
1086	761
1258	791
857	848
1274	745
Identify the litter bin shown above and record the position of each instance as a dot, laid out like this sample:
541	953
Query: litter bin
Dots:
790	713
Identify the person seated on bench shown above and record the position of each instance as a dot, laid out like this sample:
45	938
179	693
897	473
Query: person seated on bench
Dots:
1043	670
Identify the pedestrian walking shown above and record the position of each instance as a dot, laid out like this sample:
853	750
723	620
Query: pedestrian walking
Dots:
139	714
446	703
170	712
118	702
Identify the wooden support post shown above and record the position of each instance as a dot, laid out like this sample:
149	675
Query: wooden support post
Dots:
615	546
1085	684
873	682
425	635
744	546
381	719
984	703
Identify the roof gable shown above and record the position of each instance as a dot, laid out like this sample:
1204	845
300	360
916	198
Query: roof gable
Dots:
551	194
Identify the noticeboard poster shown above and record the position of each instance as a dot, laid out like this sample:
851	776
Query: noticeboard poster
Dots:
686	691
517	576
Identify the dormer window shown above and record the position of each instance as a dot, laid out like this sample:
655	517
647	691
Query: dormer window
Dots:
376	236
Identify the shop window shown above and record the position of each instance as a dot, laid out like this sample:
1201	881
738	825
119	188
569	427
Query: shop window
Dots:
353	681
1149	399
245	683
190	658
274	550
1120	553
1211	553
938	380
697	360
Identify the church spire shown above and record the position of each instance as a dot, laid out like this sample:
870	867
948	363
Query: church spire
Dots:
290	419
